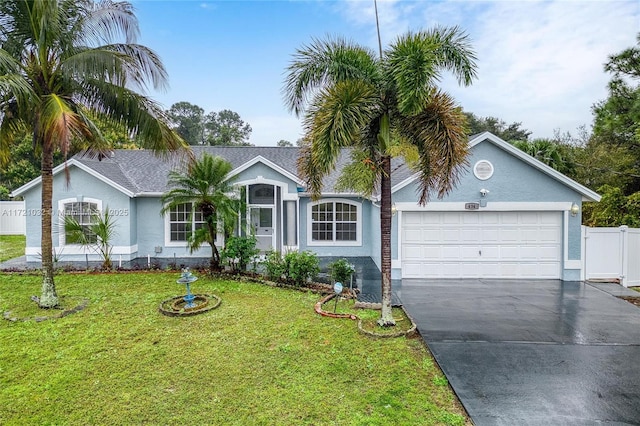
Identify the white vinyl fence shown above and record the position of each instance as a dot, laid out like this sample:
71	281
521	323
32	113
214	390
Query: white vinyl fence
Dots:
13	220
612	254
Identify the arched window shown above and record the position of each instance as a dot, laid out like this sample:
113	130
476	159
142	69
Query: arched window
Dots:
336	222
85	211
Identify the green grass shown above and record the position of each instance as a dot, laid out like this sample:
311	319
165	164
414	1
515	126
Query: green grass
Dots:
262	358
11	246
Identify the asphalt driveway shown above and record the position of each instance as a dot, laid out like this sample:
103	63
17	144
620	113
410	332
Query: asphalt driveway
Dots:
533	352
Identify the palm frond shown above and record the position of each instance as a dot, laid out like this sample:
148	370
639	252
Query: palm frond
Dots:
108	20
360	176
143	117
322	63
59	123
440	136
414	63
337	118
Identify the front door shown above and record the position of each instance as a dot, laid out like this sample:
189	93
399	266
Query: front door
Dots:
262	226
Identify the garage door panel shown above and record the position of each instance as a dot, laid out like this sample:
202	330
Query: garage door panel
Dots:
469	253
490	235
489	253
450	235
481	244
471	235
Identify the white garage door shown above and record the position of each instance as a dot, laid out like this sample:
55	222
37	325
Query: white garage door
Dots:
481	244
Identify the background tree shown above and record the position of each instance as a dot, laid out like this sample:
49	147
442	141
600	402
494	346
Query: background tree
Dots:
284	143
614	209
188	121
507	132
206	186
60	59
382	106
226	128
550	152
617	119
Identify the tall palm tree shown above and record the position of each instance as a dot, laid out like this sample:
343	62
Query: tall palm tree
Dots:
206	186
382	106
62	63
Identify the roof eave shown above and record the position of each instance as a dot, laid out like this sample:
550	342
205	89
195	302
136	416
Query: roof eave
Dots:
59	168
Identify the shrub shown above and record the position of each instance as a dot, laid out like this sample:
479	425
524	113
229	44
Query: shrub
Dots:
341	271
301	266
239	251
274	266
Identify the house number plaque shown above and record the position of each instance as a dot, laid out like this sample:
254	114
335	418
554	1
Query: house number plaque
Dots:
472	206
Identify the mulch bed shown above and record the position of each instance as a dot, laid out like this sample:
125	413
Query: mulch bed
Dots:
631	299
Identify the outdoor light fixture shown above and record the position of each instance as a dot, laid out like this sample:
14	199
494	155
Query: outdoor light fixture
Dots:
394	209
484	192
574	209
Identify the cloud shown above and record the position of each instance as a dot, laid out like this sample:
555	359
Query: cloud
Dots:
540	63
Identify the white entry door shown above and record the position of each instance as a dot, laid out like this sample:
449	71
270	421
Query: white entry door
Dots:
262	225
481	244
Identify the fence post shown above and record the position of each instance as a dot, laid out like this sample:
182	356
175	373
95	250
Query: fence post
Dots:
624	251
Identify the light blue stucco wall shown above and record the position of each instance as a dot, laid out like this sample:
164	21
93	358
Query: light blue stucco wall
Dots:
82	184
151	233
268	173
513	180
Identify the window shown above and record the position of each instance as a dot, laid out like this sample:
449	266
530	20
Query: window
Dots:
183	220
335	222
85	213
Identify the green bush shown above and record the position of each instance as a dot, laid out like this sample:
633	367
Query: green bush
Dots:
239	251
341	271
301	266
294	267
274	266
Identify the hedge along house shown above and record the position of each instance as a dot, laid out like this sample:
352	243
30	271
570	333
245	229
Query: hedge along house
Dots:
511	216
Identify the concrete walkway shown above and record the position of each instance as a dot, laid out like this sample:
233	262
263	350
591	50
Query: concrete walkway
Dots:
533	352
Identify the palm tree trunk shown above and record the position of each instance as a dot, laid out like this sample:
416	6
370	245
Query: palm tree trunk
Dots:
214	264
386	318
48	298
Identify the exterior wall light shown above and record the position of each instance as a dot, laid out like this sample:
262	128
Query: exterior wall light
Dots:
394	209
574	209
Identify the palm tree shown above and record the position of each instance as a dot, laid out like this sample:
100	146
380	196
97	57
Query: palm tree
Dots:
382	107
206	186
61	63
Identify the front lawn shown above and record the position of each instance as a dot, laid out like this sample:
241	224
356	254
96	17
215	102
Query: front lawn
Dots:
263	357
11	246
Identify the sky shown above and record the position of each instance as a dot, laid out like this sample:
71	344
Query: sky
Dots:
539	63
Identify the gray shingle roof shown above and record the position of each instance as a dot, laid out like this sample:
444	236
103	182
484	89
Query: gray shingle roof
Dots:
141	172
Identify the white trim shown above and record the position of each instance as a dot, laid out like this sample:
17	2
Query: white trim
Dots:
76	249
491	206
565	236
357	242
81	166
397	263
573	264
406	182
268	163
284	193
588	195
62	237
